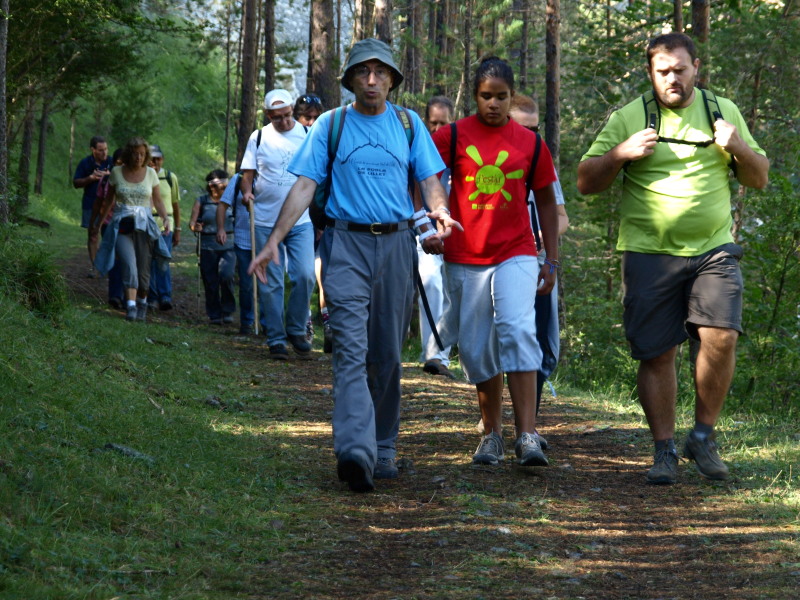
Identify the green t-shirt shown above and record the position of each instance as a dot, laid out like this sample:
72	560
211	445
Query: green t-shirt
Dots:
677	200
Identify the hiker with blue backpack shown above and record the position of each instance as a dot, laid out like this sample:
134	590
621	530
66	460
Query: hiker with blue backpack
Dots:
363	157
492	273
231	201
680	265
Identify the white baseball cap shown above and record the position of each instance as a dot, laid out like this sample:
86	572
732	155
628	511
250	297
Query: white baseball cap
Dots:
278	99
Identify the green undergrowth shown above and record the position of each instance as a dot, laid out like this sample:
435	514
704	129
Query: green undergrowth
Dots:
124	465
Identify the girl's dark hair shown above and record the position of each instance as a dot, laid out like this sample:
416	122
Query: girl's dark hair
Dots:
216	174
306	103
493	68
127	151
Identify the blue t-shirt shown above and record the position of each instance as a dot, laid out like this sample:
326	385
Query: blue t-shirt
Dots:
241	221
85	168
370	170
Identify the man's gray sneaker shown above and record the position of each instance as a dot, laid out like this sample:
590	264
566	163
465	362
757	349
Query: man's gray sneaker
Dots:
528	449
542	442
490	451
385	468
703	451
665	467
130	312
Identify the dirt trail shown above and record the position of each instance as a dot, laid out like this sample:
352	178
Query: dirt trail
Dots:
585	527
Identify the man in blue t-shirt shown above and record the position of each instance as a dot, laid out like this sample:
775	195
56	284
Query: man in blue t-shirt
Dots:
88	174
367	252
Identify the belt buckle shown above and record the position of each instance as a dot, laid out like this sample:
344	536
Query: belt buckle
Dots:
372	229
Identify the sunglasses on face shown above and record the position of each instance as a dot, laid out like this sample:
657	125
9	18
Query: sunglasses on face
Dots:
309	99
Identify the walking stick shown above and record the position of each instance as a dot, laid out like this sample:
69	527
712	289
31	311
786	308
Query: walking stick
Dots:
256	310
197	251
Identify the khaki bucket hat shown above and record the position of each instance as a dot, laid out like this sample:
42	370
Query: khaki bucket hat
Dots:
370	49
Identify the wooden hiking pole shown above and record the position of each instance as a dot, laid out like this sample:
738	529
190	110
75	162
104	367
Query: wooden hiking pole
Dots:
256	311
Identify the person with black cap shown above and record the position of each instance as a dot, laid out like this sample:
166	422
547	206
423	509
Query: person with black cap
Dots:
368	252
265	183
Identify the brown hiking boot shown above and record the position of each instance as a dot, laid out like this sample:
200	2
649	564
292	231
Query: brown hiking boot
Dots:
704	453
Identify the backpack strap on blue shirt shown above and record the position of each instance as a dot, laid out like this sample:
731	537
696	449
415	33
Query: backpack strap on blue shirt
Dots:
408	127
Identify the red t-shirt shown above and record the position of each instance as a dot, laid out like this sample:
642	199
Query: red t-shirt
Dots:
487	193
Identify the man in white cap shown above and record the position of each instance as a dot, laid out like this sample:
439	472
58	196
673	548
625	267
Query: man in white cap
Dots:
266	182
368	252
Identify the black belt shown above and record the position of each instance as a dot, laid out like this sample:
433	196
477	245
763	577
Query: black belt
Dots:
373	228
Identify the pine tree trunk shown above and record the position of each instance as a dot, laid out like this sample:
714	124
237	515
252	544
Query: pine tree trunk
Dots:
700	27
70	169
463	91
24	171
323	63
524	11
228	106
677	16
3	117
383	20
553	79
415	38
249	56
363	23
40	155
269	48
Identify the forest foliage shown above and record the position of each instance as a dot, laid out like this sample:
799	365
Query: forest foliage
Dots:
170	71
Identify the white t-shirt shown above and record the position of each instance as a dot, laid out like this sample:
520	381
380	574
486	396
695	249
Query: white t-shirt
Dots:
270	161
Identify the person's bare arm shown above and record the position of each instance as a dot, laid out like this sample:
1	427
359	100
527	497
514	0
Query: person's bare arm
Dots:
563	219
596	174
246	185
222	235
435	197
548	224
160	208
298	200
176	216
752	168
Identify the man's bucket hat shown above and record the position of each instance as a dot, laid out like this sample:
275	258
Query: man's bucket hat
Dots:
370	49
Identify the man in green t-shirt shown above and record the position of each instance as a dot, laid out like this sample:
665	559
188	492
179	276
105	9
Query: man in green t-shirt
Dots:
680	266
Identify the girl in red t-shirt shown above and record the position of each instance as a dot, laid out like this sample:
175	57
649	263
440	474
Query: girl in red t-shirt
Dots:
491	268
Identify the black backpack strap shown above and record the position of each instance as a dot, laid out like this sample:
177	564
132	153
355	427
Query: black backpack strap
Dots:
237	190
453	139
714	113
529	188
652	112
